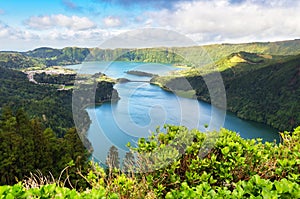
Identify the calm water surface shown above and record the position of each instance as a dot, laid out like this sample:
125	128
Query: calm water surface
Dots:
143	107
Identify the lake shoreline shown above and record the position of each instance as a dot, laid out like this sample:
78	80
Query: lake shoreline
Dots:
200	98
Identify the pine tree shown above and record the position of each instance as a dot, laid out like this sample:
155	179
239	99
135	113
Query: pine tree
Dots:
10	149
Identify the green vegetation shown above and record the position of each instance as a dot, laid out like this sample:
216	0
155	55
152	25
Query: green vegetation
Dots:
168	167
42	101
46	101
27	145
154	55
56	57
140	73
258	87
262	84
66	79
199	56
45	139
18	61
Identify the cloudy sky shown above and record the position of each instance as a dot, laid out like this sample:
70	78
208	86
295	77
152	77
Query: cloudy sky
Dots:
25	25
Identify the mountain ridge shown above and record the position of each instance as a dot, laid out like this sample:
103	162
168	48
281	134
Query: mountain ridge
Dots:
191	56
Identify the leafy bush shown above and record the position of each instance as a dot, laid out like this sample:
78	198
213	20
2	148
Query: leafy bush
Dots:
197	165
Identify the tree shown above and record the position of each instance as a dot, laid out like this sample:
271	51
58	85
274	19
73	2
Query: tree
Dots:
128	162
113	160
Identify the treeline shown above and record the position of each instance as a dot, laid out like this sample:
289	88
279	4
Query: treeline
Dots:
65	79
26	146
68	55
140	73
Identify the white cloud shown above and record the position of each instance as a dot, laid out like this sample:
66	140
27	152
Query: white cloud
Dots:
60	21
221	21
111	21
2	12
215	21
15	38
8	32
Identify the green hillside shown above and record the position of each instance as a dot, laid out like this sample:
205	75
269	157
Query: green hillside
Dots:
41	101
197	54
47	101
55	57
192	56
258	87
69	55
18	61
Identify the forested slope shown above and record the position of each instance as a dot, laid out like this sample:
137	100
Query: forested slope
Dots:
257	88
18	61
37	130
43	101
215	52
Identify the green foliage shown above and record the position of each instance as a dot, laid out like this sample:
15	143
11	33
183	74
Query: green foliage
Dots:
18	61
55	57
256	187
112	160
65	79
42	101
176	164
231	168
154	55
47	102
27	146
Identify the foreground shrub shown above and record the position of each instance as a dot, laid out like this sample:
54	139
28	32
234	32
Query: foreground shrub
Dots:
189	164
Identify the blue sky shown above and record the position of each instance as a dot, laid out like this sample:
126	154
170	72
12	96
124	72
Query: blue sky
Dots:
25	25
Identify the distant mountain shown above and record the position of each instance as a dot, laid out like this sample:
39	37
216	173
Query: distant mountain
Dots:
194	56
43	52
53	57
191	56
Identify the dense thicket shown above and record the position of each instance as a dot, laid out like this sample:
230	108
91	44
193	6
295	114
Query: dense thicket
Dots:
26	145
190	164
65	79
43	101
47	102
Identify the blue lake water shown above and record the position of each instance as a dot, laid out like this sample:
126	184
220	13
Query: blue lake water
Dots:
142	107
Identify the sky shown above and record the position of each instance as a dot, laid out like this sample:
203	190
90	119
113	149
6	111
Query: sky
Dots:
25	25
